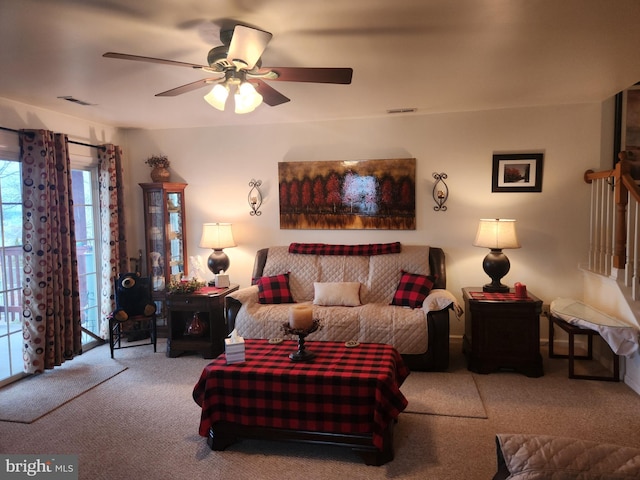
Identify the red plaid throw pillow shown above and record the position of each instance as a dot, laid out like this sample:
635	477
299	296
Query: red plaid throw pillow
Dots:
412	290
274	289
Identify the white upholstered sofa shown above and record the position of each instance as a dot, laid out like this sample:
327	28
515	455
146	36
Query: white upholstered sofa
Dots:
420	334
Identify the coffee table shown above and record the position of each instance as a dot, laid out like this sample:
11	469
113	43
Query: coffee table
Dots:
345	396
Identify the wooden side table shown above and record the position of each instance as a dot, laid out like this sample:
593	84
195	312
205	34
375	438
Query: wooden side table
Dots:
502	331
209	304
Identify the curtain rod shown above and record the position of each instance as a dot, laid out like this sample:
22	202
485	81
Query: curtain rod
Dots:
99	147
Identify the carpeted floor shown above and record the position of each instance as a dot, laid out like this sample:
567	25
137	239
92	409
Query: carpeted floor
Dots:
143	424
20	401
447	394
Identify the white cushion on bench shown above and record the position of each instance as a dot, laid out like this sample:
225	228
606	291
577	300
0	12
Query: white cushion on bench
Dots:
622	337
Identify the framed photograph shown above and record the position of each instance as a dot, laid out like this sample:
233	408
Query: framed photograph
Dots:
517	172
340	195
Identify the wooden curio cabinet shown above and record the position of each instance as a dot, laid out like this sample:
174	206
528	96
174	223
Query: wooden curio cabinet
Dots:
165	241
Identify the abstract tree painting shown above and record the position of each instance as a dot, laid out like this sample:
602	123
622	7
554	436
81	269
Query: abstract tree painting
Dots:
364	194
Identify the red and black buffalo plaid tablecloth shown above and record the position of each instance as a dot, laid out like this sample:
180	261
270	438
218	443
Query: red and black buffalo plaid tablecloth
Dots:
499	296
342	390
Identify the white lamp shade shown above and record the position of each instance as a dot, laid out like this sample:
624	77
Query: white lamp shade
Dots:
497	233
217	236
246	98
217	97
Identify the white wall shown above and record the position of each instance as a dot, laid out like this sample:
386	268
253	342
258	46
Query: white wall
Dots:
16	115
219	163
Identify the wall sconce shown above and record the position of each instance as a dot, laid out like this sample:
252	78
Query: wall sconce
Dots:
440	192
255	197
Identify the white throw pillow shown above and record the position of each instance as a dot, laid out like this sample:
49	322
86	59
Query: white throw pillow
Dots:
345	294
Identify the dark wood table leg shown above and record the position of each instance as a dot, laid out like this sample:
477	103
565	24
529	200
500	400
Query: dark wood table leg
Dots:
375	457
220	441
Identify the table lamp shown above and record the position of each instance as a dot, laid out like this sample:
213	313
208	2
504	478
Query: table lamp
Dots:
217	236
496	234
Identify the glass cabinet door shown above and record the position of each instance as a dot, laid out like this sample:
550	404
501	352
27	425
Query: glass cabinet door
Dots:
165	242
175	235
155	240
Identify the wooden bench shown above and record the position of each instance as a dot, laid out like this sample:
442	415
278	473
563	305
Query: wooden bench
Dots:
572	331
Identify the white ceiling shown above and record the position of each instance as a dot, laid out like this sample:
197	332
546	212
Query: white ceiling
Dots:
433	55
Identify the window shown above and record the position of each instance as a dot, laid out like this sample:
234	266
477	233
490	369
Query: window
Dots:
85	212
86	215
10	270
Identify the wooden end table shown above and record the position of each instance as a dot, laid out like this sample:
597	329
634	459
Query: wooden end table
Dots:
502	331
209	303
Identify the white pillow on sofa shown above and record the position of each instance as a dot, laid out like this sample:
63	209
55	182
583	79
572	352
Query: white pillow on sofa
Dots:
346	294
246	294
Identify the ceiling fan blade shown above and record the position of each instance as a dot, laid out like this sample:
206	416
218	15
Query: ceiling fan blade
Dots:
314	75
126	56
187	88
247	45
270	95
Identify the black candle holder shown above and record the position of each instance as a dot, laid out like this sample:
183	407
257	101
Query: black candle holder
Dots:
255	197
301	355
440	192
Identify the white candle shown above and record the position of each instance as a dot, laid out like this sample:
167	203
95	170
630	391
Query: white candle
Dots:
301	317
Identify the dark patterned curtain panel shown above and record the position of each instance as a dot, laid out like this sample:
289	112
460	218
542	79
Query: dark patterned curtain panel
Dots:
51	303
112	228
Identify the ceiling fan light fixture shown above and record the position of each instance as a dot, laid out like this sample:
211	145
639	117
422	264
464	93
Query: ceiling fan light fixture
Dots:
217	97
237	59
246	98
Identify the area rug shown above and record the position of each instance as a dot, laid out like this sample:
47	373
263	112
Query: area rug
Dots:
447	394
31	398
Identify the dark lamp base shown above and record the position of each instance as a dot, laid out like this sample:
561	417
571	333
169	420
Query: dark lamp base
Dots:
496	265
218	262
491	288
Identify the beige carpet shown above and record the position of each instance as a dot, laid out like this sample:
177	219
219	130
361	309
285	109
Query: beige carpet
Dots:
20	402
143	424
446	394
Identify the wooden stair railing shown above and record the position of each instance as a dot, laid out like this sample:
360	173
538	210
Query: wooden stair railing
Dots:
615	222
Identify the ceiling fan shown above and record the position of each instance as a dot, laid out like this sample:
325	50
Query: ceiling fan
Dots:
238	66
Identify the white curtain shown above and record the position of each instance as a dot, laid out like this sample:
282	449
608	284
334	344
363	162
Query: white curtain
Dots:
112	226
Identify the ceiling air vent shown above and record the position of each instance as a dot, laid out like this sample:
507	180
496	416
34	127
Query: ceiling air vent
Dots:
402	110
75	100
